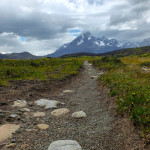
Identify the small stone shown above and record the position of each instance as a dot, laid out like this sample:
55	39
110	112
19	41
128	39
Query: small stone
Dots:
20	103
30	130
25	109
60	112
39	114
100	73
68	91
7	130
13	115
79	114
64	145
47	103
43	126
12	145
93	77
90	64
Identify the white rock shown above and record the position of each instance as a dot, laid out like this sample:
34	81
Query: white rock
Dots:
100	73
60	112
20	103
47	103
93	77
144	68
90	64
13	115
7	130
39	114
64	145
79	114
68	91
43	126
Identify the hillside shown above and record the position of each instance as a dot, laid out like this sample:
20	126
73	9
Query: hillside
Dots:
23	55
120	53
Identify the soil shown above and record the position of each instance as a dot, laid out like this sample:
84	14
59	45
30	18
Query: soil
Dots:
102	129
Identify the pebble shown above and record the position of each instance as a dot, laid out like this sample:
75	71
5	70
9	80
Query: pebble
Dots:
25	109
79	114
60	112
47	103
64	145
43	126
93	77
20	103
39	114
13	115
68	91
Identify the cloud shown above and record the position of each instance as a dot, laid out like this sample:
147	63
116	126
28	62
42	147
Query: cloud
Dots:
41	26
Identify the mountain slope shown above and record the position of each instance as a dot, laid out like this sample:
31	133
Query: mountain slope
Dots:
86	42
23	55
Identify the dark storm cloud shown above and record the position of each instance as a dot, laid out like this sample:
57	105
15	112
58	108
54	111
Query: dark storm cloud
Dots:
46	24
133	11
36	24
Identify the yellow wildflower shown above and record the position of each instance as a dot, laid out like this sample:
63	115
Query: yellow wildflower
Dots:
133	93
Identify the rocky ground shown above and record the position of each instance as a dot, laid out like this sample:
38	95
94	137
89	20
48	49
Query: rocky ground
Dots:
98	128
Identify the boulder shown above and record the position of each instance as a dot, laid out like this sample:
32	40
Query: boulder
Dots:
79	114
60	112
64	145
47	103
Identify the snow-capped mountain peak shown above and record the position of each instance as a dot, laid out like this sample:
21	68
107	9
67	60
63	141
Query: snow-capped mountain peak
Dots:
86	42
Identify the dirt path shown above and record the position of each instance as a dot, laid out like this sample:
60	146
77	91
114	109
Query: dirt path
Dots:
95	132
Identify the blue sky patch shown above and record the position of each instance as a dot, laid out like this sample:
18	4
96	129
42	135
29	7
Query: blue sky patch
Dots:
22	39
75	32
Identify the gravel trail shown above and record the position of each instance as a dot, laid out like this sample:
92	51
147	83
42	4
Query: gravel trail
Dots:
95	132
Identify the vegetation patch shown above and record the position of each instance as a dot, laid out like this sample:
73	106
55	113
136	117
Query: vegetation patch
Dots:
40	69
130	85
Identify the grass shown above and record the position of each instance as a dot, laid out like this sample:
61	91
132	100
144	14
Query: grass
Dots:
40	69
130	85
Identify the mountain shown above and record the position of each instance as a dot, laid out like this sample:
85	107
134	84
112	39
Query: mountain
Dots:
142	51
23	55
87	43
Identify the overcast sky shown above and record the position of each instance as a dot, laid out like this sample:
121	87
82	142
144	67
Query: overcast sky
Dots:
41	26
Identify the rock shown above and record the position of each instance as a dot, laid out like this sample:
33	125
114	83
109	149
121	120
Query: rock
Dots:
47	103
79	114
39	114
20	103
43	126
30	130
100	73
60	112
144	68
12	145
90	64
64	145
7	130
68	91
93	77
13	115
25	109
